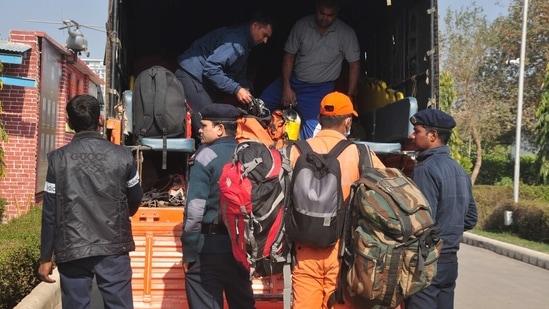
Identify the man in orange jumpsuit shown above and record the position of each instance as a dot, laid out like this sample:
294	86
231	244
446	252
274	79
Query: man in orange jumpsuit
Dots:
315	274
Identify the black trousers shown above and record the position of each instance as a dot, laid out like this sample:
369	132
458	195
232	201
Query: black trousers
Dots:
215	273
113	274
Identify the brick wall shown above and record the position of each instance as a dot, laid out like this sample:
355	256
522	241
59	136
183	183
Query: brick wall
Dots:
21	116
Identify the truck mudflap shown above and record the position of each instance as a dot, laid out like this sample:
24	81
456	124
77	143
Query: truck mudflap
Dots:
158	279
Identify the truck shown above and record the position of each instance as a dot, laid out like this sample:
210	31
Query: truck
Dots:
399	75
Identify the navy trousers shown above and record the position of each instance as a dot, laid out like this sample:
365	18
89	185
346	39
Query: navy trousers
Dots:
440	294
215	273
113	274
197	97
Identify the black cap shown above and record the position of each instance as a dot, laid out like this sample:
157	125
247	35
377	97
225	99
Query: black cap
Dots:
219	112
433	118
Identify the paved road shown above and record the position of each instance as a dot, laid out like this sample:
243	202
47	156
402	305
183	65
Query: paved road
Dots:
489	280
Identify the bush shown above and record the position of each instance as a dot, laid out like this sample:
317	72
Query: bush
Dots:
530	214
499	169
19	257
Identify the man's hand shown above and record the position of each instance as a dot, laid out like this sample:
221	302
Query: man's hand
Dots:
244	96
185	267
288	97
45	270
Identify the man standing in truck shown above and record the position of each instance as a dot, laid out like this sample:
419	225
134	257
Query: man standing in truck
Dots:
217	62
312	61
210	267
92	188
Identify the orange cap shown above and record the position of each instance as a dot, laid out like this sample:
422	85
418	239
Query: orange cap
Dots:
337	104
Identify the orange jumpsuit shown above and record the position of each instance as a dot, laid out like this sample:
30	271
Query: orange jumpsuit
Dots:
314	277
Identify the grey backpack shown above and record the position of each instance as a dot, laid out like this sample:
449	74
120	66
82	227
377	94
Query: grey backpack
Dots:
317	210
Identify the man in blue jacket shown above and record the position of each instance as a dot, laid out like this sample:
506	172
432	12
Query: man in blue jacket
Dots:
217	62
448	189
210	267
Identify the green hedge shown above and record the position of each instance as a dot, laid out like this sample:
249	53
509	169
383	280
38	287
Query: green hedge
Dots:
20	243
498	169
530	214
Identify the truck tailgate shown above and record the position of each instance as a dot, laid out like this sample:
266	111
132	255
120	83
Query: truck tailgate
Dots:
158	278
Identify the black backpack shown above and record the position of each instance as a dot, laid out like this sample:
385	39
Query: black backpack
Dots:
317	210
159	106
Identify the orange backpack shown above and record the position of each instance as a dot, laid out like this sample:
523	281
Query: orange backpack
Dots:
255	128
277	128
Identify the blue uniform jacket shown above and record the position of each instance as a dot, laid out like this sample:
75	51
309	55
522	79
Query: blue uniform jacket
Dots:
203	200
220	57
448	189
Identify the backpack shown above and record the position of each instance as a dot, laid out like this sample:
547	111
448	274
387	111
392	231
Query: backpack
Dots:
249	127
252	202
159	107
158	102
284	125
317	210
257	124
390	242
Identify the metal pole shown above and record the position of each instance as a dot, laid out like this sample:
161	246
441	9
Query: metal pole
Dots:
113	36
519	107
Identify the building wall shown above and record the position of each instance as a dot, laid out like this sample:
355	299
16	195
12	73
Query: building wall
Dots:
22	108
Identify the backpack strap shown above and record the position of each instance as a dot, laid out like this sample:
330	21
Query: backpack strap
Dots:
286	177
148	108
364	161
304	147
287	291
339	147
346	257
365	158
159	77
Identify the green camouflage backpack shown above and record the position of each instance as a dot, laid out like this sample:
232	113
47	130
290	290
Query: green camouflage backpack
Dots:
390	242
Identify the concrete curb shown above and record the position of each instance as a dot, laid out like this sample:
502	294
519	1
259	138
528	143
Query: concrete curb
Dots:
44	295
518	253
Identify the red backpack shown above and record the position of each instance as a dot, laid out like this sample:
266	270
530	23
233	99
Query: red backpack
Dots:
252	202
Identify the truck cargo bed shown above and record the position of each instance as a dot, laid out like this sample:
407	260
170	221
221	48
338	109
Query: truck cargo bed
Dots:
158	279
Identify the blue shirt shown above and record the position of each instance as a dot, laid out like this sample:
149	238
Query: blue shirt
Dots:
220	57
449	191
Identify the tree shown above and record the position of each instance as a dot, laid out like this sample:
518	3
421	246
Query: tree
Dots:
478	56
537	56
542	128
447	97
3	133
465	47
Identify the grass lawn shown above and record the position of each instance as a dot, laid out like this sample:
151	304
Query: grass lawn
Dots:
514	240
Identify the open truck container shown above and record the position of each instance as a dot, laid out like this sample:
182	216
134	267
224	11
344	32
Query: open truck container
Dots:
399	75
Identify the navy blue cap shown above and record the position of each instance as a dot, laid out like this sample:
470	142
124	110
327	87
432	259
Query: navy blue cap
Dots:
220	112
433	118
